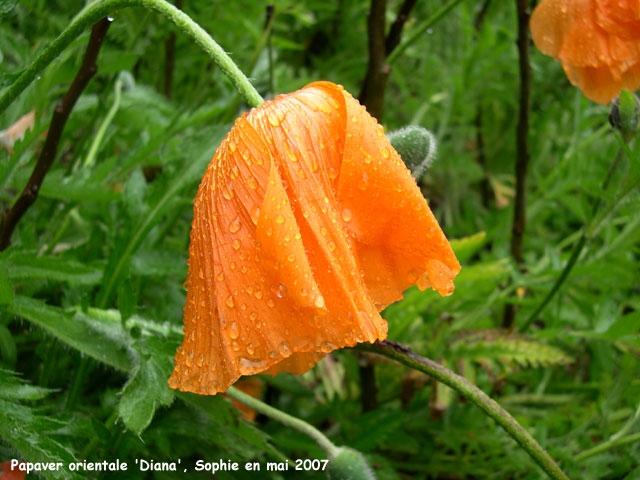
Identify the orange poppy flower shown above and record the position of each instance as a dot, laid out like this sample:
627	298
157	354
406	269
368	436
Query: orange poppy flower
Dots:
598	42
306	225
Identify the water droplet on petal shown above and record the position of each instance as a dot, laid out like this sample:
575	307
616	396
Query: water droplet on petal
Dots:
347	215
234	331
284	349
236	244
271	303
229	301
279	219
234	226
281	291
319	301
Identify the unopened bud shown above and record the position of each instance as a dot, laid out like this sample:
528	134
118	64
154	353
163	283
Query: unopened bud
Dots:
416	146
349	464
625	110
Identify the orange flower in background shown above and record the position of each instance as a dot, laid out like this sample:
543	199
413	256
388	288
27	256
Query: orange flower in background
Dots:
306	225
598	42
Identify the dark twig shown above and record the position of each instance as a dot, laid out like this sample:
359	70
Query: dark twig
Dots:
485	188
61	113
169	58
522	147
375	82
395	32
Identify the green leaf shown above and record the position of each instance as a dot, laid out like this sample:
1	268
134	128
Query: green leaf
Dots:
6	289
27	265
99	337
13	388
507	348
30	434
147	388
464	248
624	325
8	349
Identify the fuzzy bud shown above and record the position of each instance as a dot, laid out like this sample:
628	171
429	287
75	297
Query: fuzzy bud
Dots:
625	110
349	464
416	146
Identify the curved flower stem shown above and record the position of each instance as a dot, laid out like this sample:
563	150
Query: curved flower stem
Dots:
285	419
585	235
95	11
404	355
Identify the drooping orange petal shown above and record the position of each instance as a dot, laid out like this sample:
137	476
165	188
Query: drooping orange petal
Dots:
289	257
598	42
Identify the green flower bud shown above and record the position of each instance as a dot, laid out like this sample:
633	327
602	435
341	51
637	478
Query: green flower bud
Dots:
416	146
349	464
625	110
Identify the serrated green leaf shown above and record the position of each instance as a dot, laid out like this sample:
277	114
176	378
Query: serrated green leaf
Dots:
30	434
14	388
147	388
508	349
105	341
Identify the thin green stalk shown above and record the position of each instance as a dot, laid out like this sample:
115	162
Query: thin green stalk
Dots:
97	10
285	419
586	234
627	426
429	22
472	393
603	447
97	140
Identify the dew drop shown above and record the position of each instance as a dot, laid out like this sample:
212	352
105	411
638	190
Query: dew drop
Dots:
284	349
281	291
233	331
279	219
227	191
291	258
236	244
234	226
347	215
253	315
251	349
235	346
271	303
423	282
229	301
327	347
252	182
220	276
319	301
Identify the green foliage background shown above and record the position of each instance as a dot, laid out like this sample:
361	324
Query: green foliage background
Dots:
91	288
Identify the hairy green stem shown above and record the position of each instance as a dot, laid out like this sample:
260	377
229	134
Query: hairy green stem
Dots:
97	10
472	393
603	447
585	235
428	23
285	419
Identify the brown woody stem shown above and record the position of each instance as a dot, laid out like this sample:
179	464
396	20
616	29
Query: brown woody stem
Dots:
11	217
